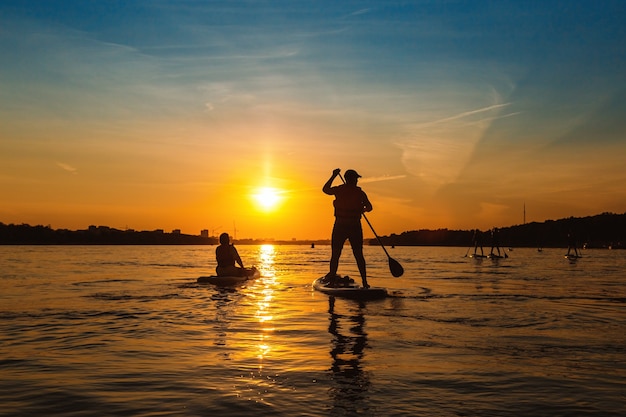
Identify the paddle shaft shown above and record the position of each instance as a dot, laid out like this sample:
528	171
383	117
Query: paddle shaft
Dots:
377	238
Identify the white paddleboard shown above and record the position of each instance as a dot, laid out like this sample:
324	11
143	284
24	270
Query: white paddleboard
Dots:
352	290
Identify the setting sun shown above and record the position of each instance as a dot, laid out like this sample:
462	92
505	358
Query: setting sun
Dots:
267	198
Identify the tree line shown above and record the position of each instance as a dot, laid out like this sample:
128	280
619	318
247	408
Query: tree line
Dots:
606	230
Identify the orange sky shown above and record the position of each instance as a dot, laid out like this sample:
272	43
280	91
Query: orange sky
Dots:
166	117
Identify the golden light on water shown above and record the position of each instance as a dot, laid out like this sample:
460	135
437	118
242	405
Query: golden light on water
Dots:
264	303
266	261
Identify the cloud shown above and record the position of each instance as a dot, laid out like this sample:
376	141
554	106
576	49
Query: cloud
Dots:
436	151
67	168
465	114
383	178
362	11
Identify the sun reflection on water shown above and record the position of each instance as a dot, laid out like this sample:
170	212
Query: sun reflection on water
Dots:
266	260
263	314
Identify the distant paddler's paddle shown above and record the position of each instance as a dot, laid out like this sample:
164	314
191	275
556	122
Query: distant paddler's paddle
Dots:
394	266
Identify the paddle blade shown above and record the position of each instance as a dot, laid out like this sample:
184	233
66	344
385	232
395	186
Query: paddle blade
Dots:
395	268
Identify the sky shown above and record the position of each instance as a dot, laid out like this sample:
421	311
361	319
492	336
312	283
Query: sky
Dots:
230	115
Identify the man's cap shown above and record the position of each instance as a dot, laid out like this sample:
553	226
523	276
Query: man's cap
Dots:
352	174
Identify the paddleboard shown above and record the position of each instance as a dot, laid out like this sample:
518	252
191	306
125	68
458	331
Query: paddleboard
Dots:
572	257
351	290
477	256
228	280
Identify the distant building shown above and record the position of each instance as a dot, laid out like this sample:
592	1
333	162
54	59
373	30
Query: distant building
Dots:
176	231
204	233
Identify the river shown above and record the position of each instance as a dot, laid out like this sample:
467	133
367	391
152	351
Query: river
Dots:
127	331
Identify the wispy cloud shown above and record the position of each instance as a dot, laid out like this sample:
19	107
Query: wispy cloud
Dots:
67	168
465	114
361	11
383	178
490	119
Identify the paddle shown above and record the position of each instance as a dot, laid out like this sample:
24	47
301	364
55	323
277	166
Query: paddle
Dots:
394	266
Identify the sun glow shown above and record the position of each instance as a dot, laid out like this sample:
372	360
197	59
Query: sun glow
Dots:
267	198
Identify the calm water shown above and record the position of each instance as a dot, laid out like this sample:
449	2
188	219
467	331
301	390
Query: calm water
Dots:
126	331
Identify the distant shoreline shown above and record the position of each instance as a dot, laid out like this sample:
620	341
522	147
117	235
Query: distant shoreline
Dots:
103	235
606	230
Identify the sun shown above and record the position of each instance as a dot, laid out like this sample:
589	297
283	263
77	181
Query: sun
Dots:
267	198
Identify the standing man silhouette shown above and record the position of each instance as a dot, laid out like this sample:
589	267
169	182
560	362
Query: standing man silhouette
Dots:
478	242
350	203
572	244
495	241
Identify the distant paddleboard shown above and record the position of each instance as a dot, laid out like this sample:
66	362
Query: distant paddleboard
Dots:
350	290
